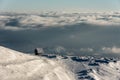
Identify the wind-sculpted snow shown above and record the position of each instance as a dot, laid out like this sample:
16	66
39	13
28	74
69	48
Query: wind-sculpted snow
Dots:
93	68
109	71
45	20
18	66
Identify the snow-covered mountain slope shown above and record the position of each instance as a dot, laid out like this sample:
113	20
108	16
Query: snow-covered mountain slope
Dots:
91	68
18	66
110	71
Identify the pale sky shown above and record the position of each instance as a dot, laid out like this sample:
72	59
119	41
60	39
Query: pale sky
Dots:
59	5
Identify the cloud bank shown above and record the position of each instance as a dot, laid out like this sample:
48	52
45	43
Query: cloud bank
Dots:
113	49
9	21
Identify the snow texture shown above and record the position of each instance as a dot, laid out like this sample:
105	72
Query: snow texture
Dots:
18	66
91	68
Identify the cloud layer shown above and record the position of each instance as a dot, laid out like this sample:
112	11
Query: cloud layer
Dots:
113	49
9	21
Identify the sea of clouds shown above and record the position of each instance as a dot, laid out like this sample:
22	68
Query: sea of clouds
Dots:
79	33
17	21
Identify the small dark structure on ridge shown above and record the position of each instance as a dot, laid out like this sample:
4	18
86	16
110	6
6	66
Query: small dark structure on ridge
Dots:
39	51
50	50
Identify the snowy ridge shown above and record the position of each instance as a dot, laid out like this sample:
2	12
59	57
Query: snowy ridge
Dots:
110	71
90	68
18	66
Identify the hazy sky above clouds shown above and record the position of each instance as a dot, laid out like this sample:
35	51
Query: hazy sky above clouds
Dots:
58	5
20	32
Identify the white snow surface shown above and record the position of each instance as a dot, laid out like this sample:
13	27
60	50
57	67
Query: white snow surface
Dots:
15	65
104	71
110	71
19	66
